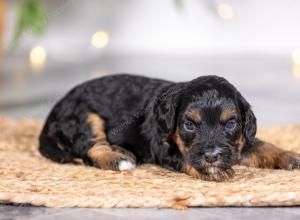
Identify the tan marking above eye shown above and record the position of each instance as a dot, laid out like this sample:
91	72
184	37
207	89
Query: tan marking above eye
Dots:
194	115
227	114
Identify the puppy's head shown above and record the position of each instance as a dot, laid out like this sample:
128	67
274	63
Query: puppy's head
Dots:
211	123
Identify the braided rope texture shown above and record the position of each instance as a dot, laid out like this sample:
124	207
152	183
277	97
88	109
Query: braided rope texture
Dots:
28	178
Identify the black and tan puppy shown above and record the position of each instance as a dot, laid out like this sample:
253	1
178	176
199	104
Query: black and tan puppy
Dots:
202	127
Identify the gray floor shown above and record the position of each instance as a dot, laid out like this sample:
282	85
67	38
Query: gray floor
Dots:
266	81
15	213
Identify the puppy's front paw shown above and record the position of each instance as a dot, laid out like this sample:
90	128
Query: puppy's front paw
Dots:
289	161
112	160
213	174
219	175
120	162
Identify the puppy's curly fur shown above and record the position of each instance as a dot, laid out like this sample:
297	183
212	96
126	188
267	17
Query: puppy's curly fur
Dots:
202	127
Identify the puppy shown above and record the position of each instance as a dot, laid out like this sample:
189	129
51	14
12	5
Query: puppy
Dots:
202	127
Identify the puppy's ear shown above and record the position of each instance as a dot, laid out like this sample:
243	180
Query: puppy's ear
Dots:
250	126
165	110
249	120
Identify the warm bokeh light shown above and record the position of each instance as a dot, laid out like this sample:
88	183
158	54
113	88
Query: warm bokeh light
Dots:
296	70
99	39
37	57
296	56
97	73
225	11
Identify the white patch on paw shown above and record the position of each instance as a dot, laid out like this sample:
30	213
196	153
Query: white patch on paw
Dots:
126	165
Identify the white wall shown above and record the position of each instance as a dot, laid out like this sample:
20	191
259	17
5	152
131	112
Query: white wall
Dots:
158	27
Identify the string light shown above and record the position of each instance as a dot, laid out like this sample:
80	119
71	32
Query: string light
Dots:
100	39
37	57
296	70
225	11
296	56
296	62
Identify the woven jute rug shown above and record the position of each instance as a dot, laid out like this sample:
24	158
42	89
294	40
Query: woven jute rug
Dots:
28	178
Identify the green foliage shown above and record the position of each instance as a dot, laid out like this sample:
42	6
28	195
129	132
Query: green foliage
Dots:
32	17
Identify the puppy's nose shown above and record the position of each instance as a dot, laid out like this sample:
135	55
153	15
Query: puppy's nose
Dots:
211	157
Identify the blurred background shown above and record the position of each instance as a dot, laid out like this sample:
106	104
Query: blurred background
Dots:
48	46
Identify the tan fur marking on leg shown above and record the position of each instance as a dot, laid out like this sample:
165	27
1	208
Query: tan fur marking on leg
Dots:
266	155
98	127
103	156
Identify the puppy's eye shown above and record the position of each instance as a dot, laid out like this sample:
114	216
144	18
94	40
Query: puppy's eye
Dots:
230	125
189	126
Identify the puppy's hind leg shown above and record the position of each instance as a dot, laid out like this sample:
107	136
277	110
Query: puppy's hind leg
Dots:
266	155
102	154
